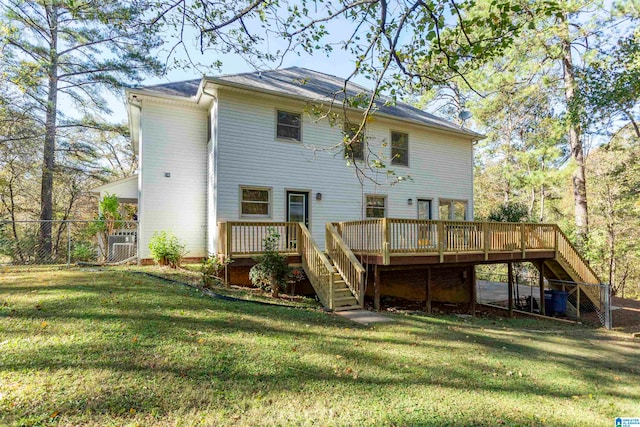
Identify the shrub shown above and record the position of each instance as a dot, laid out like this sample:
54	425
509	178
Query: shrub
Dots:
271	271
84	251
167	249
509	212
211	268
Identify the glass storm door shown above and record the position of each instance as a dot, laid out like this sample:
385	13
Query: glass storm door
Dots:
298	207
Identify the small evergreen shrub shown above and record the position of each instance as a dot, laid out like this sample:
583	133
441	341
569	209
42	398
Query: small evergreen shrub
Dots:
211	268
271	271
167	249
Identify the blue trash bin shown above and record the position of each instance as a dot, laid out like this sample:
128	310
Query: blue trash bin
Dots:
560	302
548	303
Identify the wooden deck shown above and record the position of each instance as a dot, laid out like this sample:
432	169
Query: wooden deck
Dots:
407	242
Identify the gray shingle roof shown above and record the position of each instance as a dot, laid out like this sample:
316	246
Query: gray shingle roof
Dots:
310	85
187	88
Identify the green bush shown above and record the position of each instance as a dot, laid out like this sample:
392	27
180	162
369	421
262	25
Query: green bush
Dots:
84	251
166	249
211	268
510	212
272	271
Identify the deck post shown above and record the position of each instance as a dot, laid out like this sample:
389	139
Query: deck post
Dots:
330	299
474	291
578	301
376	288
555	242
441	240
523	245
510	274
227	251
485	228
386	242
541	284
428	302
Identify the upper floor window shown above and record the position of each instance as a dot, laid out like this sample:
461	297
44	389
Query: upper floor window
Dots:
376	206
354	147
289	126
399	148
255	202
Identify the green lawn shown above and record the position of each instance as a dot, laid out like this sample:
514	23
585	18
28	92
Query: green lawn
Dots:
114	348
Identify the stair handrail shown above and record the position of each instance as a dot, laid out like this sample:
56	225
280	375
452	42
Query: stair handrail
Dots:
346	263
317	266
563	251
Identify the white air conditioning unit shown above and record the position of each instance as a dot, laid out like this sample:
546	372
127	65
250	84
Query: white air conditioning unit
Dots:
121	247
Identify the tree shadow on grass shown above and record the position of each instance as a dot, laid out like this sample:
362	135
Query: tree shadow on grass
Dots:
249	349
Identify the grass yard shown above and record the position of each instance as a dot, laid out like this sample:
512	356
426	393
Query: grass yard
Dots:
114	348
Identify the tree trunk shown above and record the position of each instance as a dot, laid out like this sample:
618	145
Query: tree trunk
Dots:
542	200
633	122
48	152
575	142
14	229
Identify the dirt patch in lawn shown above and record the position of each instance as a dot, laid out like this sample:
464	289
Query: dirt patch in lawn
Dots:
627	317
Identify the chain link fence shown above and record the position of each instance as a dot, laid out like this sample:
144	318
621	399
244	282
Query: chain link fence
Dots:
70	242
584	302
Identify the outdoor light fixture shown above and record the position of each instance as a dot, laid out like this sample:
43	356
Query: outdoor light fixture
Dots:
409	201
318	196
167	174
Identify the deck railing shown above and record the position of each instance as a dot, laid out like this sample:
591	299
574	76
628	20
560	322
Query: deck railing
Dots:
390	236
317	267
246	238
396	236
352	272
362	236
572	258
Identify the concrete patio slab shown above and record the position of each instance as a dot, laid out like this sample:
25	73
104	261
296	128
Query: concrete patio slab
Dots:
364	317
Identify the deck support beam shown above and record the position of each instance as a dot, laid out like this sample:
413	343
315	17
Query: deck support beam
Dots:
541	284
510	274
376	288
428	290
474	290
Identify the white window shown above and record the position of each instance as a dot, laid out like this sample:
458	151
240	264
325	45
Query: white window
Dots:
399	148
289	126
354	147
376	206
255	202
454	210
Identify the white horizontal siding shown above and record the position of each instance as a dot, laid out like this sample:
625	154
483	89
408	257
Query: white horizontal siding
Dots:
249	154
173	141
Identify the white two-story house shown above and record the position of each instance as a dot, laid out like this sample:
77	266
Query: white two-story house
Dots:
368	207
268	146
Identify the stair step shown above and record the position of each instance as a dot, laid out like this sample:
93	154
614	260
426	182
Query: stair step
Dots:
348	307
348	298
344	290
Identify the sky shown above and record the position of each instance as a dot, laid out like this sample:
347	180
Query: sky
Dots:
338	63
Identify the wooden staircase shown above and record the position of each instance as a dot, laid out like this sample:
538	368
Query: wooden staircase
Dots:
338	279
343	298
569	266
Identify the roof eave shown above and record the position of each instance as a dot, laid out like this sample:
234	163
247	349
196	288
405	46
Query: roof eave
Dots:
98	189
